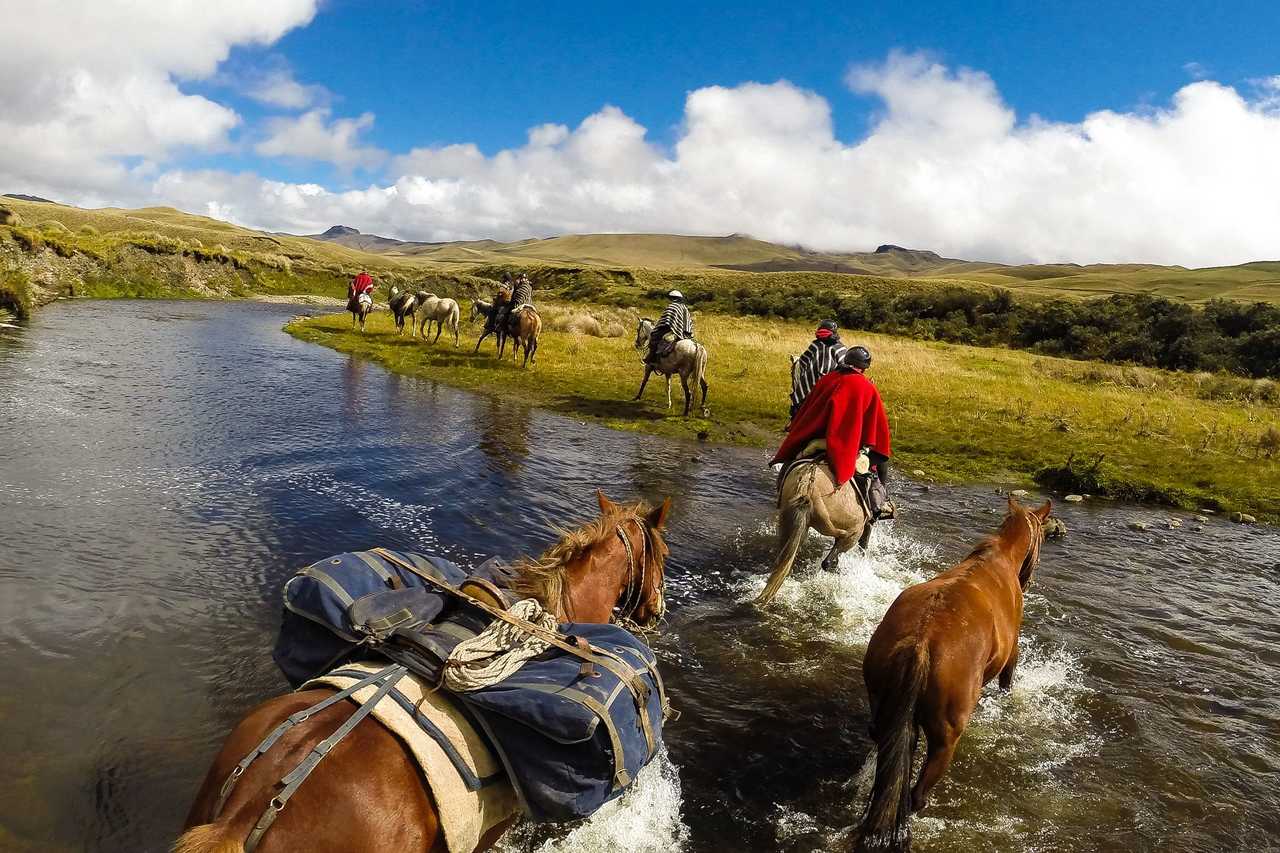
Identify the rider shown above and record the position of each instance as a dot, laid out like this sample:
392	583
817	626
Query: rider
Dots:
845	409
362	283
675	324
521	288
817	361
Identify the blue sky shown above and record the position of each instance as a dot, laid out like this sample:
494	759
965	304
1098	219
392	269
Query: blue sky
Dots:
437	73
1086	132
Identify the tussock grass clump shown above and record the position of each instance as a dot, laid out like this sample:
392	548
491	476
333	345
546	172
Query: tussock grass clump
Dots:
53	226
9	216
15	294
88	230
594	321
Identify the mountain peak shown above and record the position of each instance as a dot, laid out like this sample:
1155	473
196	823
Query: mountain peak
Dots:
339	231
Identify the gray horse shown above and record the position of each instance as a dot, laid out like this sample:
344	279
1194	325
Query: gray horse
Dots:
688	359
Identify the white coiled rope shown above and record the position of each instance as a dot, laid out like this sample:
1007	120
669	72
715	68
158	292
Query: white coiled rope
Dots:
497	652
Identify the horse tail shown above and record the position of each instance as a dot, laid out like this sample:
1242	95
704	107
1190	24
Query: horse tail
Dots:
700	373
793	526
887	823
207	838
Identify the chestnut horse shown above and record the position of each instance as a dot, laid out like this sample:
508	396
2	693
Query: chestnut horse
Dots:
927	661
369	796
523	327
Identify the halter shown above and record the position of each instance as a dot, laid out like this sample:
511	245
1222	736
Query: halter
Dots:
633	591
1033	549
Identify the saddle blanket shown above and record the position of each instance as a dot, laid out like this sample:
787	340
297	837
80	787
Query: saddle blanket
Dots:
468	784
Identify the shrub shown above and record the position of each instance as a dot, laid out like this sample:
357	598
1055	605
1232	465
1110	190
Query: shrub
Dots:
15	294
9	216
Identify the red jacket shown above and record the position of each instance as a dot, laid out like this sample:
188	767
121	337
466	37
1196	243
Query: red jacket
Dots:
844	408
362	283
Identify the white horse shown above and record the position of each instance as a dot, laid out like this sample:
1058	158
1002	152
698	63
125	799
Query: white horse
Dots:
688	359
440	309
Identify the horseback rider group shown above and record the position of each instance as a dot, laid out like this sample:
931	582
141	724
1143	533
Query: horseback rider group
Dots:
521	288
361	285
833	402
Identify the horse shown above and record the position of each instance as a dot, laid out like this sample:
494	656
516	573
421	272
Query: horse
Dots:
369	795
927	661
523	327
440	309
359	306
402	305
490	312
808	498
688	359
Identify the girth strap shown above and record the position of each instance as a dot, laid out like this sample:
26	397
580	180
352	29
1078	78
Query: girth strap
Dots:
288	723
299	774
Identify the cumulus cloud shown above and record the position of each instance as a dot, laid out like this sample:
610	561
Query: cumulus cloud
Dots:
315	136
276	87
88	89
946	165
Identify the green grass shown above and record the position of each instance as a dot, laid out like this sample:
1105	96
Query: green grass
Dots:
958	413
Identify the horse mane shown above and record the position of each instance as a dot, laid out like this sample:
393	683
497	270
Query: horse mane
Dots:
543	577
988	546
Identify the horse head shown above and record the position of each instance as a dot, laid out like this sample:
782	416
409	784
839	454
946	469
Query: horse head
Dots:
610	569
1035	520
642	332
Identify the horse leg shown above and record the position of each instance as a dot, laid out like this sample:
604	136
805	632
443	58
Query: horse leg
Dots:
643	382
668	390
688	395
454	325
1006	674
942	748
439	329
483	335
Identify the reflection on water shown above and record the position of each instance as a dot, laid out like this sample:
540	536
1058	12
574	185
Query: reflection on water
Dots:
160	477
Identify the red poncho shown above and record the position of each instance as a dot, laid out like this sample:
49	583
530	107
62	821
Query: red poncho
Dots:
845	409
363	283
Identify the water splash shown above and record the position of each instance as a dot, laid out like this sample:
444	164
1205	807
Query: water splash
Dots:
646	819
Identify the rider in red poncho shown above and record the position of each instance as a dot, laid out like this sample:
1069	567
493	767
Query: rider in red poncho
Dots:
363	283
845	409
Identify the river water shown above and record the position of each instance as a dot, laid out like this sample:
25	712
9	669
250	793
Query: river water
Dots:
164	466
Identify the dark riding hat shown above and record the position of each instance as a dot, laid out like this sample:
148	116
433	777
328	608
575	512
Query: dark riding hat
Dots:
826	330
676	295
857	357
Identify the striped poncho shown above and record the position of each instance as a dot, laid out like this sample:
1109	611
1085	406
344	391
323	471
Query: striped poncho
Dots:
677	320
822	357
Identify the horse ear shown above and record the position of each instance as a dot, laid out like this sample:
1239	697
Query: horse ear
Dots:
1043	512
658	515
606	505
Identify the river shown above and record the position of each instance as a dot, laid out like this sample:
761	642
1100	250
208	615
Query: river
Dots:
164	466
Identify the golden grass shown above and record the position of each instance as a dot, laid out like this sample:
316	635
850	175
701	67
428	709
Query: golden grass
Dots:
958	412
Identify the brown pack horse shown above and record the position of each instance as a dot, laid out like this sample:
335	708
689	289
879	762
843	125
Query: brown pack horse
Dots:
927	661
368	795
523	327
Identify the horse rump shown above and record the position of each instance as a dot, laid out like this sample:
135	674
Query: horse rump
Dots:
793	526
886	826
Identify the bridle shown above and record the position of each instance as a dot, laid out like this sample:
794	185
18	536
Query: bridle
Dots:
1035	528
633	593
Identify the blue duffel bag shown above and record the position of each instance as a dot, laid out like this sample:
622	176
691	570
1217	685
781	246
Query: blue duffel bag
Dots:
335	607
573	737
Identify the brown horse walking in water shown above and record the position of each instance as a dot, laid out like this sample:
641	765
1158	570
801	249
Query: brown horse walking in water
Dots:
938	644
369	795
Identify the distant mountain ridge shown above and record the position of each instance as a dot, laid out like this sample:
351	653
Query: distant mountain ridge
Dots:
734	252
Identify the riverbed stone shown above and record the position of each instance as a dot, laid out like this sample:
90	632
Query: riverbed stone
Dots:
1243	518
1055	528
1173	523
918	473
1138	525
1202	519
1074	499
1020	493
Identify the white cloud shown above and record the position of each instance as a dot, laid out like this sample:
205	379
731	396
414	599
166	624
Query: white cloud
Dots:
83	84
313	136
277	87
946	165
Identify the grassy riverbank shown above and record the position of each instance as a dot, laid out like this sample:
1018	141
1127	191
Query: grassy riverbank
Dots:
958	412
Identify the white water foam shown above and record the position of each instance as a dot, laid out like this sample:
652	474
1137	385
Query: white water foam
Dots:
646	819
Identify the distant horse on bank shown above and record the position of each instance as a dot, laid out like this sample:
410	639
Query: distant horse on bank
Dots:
523	327
489	310
402	305
925	666
438	309
371	796
808	498
360	306
688	359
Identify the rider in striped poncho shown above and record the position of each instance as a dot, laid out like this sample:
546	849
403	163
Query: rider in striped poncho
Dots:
822	356
676	323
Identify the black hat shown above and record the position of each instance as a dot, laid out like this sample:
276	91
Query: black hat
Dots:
857	357
829	325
